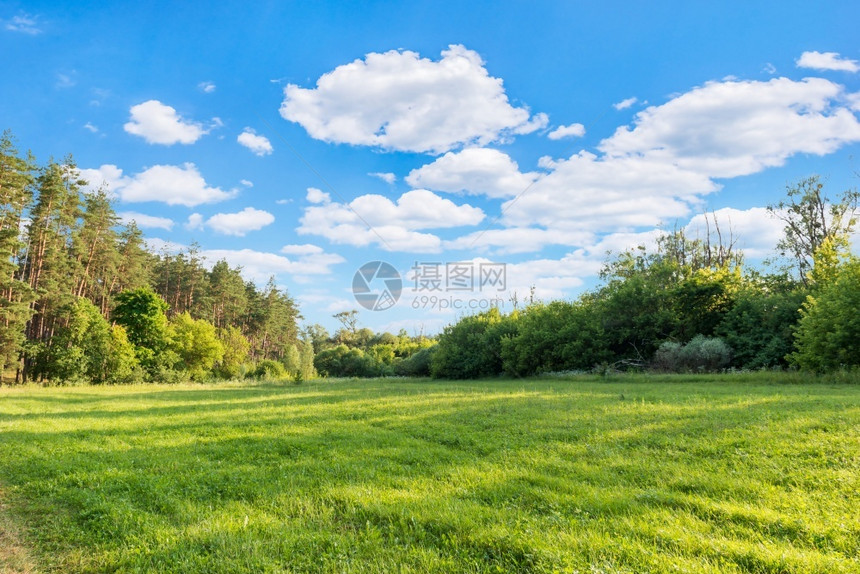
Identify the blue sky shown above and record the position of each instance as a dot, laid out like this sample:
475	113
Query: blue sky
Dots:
302	140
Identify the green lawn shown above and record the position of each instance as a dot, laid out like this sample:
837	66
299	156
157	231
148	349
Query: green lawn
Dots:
641	474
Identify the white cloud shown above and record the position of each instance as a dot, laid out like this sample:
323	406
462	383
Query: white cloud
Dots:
571	131
239	224
518	239
590	193
108	176
394	226
171	184
246	182
400	101
91	128
477	171
146	221
318	196
727	129
195	222
258	144
159	123
206	87
827	61
25	24
754	230
386	177
258	266
305	249
624	104
769	69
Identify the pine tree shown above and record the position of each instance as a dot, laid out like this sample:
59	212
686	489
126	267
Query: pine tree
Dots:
49	268
16	194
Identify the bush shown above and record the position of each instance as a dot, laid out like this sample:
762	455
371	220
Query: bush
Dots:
472	348
701	354
341	361
828	335
417	364
269	370
557	336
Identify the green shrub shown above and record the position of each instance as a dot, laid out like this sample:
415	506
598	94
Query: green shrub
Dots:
701	354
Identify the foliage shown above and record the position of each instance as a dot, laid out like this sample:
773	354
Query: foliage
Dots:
341	361
197	345
472	348
88	349
828	335
418	364
236	348
557	336
700	355
270	370
142	313
811	218
760	326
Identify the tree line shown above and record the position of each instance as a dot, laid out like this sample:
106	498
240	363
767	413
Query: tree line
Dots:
689	304
81	298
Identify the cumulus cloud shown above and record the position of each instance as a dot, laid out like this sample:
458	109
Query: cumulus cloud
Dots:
827	61
394	226
315	195
733	128
518	239
591	193
195	222
386	177
241	223
259	145
171	184
571	131
305	249
258	266
476	171
658	170
108	177
145	221
159	123
399	101
624	104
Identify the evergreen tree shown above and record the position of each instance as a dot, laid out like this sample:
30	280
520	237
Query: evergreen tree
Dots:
49	269
16	182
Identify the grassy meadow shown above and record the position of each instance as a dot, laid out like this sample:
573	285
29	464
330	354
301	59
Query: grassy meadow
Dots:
735	473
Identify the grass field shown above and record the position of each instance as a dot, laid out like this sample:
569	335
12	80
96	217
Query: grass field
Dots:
643	474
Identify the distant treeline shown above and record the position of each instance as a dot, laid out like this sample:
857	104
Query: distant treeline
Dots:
689	305
82	299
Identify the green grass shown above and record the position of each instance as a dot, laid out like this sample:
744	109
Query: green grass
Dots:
642	474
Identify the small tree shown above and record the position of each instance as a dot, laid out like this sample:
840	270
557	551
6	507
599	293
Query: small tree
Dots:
143	314
828	335
810	218
196	343
236	349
